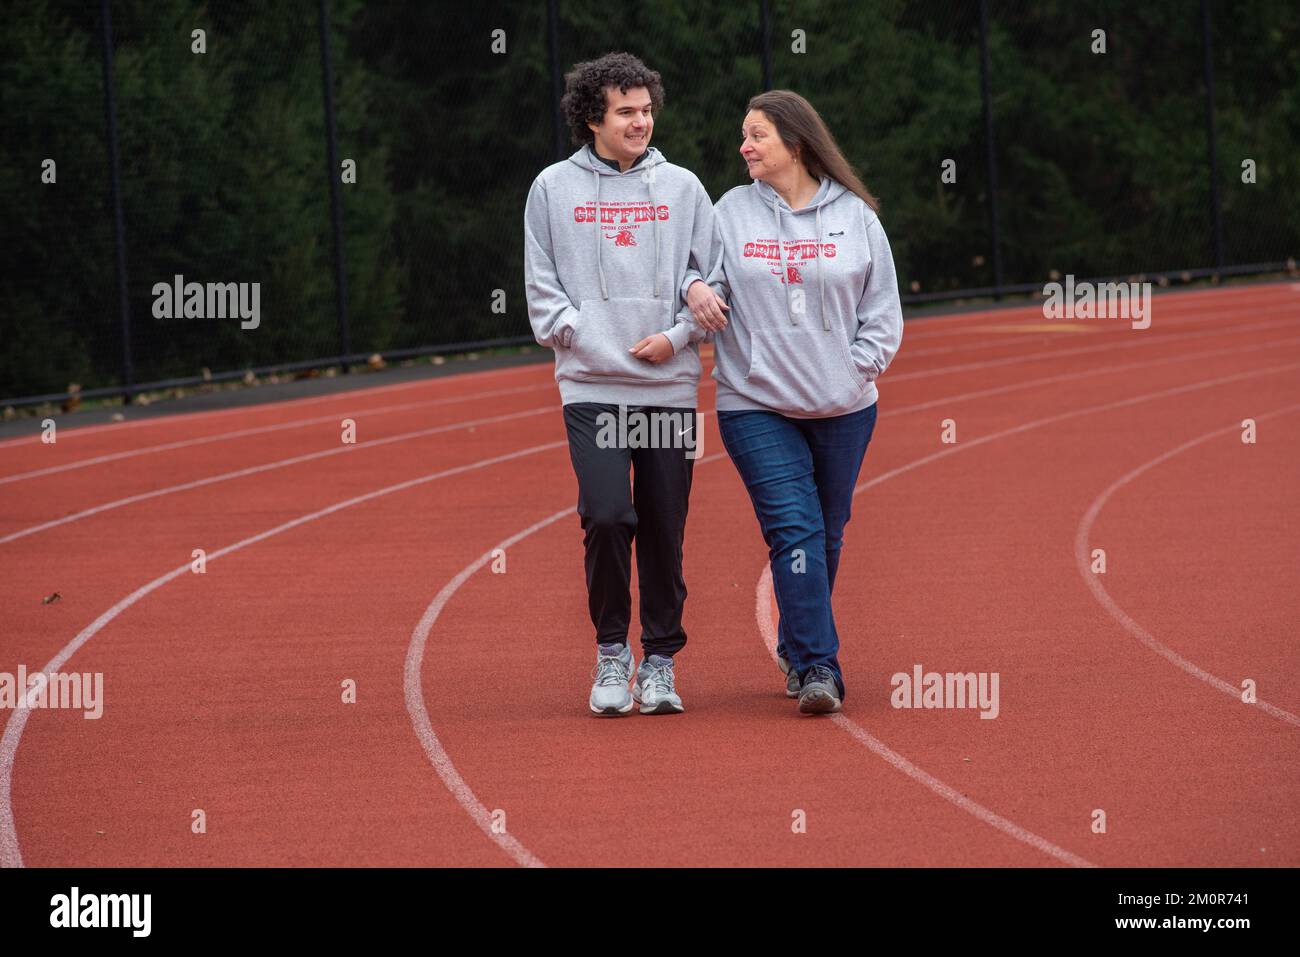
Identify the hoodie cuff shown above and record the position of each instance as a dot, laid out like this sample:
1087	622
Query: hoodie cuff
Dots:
679	335
692	277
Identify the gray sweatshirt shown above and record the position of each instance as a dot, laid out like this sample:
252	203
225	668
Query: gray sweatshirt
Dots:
815	314
595	289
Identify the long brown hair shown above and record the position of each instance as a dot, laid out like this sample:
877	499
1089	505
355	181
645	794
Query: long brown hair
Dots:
804	134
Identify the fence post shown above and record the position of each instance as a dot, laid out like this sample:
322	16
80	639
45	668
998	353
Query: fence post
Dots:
115	198
336	209
995	227
765	29
557	83
1216	215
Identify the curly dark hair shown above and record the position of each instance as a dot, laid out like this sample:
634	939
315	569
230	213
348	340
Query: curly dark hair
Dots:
584	90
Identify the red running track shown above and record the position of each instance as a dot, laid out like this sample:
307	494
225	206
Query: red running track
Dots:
470	742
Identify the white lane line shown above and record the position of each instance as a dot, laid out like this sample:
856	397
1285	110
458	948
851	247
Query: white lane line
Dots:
406	406
1083	562
1094	374
414	689
478	812
1117	404
878	747
9	849
454	782
763	611
10	852
1178	304
414	692
898	377
277	427
992	342
185	418
916	407
267	467
263	429
1083	350
904	410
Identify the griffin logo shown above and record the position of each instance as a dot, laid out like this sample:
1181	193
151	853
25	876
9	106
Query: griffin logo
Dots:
622	238
791	275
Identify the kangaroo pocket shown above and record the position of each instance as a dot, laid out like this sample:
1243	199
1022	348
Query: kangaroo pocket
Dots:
803	370
607	329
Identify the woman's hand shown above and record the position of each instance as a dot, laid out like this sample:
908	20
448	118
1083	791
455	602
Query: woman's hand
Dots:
706	306
654	348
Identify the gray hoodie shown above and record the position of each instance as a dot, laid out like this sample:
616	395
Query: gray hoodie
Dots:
815	314
595	289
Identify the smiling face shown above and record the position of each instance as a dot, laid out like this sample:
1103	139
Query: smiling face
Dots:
764	153
629	120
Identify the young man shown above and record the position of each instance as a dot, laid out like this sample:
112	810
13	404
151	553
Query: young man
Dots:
614	235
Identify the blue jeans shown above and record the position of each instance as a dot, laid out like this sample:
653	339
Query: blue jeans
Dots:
800	475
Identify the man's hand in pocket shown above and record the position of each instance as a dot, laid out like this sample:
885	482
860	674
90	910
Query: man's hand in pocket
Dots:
654	348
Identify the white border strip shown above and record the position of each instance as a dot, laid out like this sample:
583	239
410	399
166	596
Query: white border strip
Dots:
1112	607
10	853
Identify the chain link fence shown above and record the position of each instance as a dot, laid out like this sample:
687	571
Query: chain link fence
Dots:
1011	142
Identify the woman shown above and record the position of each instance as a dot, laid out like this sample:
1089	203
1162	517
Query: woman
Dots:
814	318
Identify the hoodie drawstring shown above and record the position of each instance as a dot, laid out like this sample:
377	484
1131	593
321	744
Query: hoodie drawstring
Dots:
785	278
780	252
604	290
654	215
821	285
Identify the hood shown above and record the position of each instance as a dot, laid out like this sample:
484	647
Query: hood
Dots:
828	192
585	158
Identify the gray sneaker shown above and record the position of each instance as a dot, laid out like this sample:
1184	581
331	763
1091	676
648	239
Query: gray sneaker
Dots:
791	677
819	694
609	695
653	689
